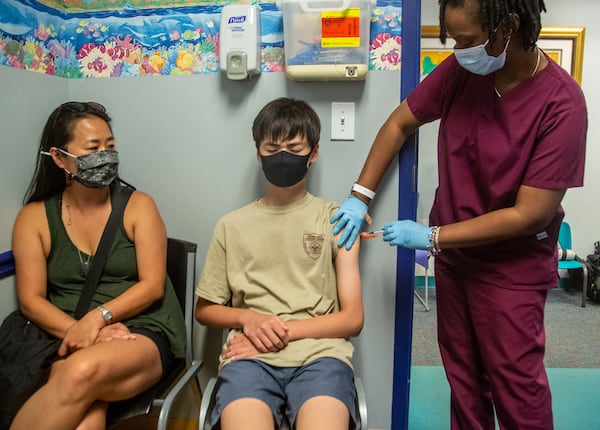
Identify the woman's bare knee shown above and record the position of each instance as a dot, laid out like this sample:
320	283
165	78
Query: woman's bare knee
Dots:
109	372
79	377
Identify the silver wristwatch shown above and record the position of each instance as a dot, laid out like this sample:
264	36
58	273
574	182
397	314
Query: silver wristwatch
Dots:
106	314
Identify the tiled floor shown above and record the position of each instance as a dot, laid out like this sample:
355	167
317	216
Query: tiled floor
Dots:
574	398
572	332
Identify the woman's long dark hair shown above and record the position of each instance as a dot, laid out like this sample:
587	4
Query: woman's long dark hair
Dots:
48	179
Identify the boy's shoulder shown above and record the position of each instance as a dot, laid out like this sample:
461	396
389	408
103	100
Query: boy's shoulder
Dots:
327	203
322	209
309	202
239	212
322	201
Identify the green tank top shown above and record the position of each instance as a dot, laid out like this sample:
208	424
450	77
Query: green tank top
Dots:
65	282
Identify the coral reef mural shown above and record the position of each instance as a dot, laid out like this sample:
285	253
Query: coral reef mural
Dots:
180	37
101	5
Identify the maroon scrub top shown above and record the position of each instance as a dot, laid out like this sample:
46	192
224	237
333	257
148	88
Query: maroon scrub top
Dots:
488	147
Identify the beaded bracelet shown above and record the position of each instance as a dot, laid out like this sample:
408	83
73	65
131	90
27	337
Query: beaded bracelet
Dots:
434	244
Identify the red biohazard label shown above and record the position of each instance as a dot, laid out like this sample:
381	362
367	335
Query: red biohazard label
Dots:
340	27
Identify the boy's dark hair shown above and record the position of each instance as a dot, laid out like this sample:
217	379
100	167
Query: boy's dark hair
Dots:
493	12
48	179
284	119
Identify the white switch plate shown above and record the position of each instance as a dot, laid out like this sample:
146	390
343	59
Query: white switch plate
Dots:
342	121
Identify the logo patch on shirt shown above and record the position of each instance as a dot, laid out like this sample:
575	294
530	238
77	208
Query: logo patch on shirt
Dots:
313	245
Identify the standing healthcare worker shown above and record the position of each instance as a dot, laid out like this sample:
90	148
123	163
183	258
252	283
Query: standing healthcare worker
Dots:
511	141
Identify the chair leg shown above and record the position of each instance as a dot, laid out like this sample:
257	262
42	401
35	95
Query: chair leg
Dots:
426	289
425	302
584	286
422	301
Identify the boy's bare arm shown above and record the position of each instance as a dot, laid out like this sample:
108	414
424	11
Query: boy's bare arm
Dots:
348	322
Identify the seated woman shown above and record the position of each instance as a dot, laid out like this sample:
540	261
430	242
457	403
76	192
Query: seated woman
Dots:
134	327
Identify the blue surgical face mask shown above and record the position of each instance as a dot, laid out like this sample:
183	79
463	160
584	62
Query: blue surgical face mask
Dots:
477	60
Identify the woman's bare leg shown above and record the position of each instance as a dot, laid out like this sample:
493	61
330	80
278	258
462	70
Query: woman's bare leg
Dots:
108	371
95	417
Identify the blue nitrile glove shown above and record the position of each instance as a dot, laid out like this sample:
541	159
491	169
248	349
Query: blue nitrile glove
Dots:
407	233
350	217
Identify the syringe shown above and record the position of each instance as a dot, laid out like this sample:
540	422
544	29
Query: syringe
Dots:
370	234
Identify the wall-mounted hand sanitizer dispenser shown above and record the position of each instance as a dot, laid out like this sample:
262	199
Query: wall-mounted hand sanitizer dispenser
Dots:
240	41
326	40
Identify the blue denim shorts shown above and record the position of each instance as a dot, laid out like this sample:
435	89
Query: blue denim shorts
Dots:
284	389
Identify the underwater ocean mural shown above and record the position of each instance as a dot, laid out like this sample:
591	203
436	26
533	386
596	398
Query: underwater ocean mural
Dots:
100	5
119	38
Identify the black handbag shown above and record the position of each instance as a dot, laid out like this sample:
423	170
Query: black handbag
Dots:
26	351
26	355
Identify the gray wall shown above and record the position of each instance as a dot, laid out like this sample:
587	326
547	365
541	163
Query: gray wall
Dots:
26	100
187	141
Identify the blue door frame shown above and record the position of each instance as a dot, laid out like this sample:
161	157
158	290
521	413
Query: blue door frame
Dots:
407	208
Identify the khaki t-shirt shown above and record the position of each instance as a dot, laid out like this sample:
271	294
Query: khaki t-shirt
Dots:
279	261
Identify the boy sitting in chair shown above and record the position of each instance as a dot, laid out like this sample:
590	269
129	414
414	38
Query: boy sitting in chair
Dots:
295	296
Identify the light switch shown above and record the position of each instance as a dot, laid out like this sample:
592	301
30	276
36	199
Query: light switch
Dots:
342	121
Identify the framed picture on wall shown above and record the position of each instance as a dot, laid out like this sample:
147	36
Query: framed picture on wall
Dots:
563	44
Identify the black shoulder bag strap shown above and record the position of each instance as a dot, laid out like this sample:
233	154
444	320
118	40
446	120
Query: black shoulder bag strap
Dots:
99	260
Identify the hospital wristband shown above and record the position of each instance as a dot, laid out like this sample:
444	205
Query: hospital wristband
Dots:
363	190
434	240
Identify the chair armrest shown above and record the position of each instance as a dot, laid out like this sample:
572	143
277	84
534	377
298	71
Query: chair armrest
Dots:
205	405
174	392
362	402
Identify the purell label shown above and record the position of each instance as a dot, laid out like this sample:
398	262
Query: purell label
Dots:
237	19
541	235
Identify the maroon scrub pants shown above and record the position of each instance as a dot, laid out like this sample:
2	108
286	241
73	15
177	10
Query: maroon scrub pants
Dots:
492	343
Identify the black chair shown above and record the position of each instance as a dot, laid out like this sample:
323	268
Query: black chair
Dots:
181	267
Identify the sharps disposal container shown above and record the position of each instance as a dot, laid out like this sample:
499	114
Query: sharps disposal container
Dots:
326	39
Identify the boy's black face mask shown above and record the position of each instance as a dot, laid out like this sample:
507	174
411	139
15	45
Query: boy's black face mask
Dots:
285	169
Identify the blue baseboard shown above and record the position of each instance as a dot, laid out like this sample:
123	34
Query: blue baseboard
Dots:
420	282
7	264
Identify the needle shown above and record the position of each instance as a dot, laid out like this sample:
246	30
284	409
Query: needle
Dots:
370	234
